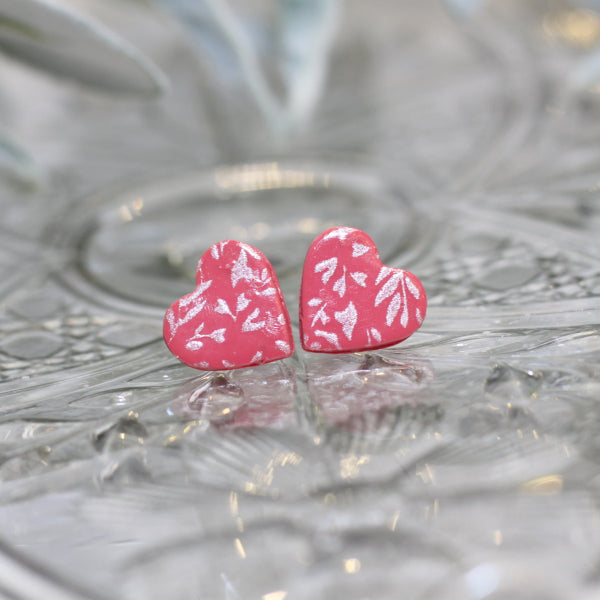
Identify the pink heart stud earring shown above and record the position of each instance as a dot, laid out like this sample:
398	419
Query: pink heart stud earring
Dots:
236	317
350	301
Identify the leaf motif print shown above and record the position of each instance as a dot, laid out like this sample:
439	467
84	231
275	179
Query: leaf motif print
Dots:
332	338
218	335
404	316
271	291
321	316
393	308
191	298
388	288
242	303
223	308
340	233
347	318
340	285
235	317
241	270
250	325
328	266
360	278
383	273
196	343
350	301
283	346
412	288
376	335
358	249
175	323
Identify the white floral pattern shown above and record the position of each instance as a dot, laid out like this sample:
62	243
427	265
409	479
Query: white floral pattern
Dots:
236	316
350	301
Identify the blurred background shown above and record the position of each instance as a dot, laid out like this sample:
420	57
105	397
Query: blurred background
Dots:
462	136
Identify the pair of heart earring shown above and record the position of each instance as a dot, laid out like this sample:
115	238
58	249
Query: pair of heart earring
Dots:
349	302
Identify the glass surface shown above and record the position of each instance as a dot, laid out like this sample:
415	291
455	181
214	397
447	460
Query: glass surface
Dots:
462	463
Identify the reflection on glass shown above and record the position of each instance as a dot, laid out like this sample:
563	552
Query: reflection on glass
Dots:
371	392
239	398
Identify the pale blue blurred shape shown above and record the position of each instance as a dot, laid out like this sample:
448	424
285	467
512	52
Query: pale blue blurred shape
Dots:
483	581
206	35
54	37
17	164
231	49
464	8
230	591
593	4
304	31
307	29
587	73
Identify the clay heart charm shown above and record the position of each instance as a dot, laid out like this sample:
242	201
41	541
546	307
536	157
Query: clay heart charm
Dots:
350	301
236	317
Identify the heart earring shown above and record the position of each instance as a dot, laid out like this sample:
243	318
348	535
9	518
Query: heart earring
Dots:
350	301
236	317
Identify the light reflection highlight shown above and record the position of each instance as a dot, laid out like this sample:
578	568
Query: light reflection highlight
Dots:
548	485
577	27
127	212
483	580
350	466
426	474
233	504
239	548
239	399
431	511
265	176
352	566
372	393
277	595
309	226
